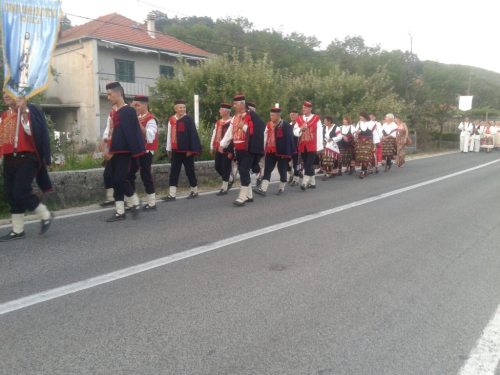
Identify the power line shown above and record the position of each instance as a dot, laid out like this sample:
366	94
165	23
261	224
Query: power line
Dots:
191	39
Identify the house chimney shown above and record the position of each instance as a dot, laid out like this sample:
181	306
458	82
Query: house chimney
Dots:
151	24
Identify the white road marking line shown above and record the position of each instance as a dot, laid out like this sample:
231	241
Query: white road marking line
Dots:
484	357
126	272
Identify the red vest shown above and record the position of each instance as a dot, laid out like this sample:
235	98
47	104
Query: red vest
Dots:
173	132
239	135
144	120
271	138
308	138
219	132
25	142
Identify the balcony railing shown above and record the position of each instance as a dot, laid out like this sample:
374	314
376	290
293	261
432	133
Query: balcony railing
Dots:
140	86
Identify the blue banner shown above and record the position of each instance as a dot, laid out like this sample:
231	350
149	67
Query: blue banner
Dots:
29	36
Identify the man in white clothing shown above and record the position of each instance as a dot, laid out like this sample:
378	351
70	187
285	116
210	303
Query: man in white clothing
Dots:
466	129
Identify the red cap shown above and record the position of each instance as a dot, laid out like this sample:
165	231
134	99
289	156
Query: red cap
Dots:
308	104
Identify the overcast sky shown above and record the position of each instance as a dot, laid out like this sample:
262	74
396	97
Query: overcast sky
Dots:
442	30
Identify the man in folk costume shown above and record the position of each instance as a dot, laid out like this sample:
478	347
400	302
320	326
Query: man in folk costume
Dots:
389	146
224	159
278	138
364	146
294	171
127	143
466	129
475	137
103	147
149	130
377	135
23	163
247	132
310	131
183	144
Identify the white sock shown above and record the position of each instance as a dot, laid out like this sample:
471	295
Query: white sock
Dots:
194	189
290	172
249	192
312	181
282	185
18	223
128	201
151	199
305	180
224	185
120	207
242	197
172	191
42	212
109	195
134	199
265	184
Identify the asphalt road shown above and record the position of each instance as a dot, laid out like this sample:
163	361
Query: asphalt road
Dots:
391	284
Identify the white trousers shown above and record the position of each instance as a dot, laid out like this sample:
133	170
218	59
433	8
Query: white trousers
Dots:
475	141
464	141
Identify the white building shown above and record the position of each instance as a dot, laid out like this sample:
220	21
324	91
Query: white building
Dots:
111	48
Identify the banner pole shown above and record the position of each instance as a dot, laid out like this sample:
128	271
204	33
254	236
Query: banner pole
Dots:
16	139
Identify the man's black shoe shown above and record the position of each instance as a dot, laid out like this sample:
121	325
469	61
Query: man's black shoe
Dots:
46	224
13	236
147	207
192	195
222	192
168	198
107	203
259	191
116	217
280	191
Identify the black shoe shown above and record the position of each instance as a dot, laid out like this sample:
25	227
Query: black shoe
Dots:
135	211
259	191
192	195
303	187
294	183
280	191
239	204
148	208
222	192
107	203
249	200
13	236
309	186
259	182
116	217
46	224
168	198
128	209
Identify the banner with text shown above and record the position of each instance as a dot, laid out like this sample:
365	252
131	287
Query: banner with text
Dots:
29	36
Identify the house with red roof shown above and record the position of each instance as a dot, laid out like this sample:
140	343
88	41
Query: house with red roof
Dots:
110	48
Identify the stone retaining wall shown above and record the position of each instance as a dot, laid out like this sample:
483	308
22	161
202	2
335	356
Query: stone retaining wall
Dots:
76	188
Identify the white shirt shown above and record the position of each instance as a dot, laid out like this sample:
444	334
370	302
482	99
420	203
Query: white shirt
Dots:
151	129
388	129
465	127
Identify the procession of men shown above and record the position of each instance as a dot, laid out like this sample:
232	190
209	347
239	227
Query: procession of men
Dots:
242	142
